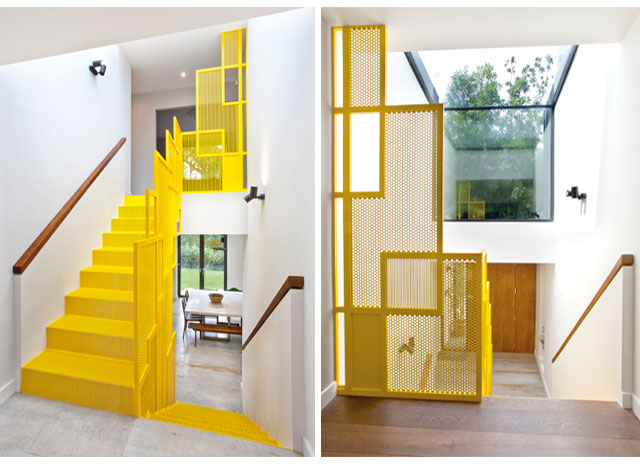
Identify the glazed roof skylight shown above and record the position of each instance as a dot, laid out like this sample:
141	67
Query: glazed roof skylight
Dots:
533	73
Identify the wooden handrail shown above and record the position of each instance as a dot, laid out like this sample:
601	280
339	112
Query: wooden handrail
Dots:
21	265
292	282
624	260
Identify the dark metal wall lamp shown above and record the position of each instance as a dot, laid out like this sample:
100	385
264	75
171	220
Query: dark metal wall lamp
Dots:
573	193
98	67
253	194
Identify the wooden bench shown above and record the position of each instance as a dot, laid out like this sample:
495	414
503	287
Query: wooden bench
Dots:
219	328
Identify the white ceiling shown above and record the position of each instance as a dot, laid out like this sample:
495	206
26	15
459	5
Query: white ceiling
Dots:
156	63
29	33
410	29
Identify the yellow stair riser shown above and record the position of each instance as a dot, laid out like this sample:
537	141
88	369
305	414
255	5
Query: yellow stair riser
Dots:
84	392
134	200
115	239
95	344
108	257
107	309
132	211
110	280
129	224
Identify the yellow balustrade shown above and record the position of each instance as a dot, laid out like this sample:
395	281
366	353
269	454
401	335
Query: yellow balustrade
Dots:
411	320
215	154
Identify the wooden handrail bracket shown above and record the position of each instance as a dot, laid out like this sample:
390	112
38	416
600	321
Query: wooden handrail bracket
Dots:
624	260
292	282
31	252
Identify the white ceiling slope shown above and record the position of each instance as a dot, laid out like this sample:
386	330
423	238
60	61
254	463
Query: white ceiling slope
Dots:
157	62
410	29
40	32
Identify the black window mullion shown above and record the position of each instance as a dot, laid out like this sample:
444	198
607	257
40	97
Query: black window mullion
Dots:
201	261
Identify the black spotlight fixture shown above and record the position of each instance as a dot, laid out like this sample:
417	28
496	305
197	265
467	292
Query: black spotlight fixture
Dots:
98	67
253	194
573	193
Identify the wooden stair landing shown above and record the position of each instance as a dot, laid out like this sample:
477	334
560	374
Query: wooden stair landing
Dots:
499	426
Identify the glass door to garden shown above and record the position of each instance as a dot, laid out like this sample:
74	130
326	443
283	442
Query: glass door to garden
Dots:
202	262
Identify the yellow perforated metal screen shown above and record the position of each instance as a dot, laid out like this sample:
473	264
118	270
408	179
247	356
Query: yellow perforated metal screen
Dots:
411	319
154	261
215	153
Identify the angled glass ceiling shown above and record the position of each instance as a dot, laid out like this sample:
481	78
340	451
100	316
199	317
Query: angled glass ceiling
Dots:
495	77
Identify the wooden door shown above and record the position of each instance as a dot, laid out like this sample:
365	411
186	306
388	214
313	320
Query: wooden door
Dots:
513	307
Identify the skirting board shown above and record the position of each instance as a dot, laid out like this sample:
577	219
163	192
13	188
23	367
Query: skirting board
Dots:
7	390
329	393
635	407
307	448
544	381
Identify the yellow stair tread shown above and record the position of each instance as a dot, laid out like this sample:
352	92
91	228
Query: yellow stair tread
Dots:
125	232
109	269
103	294
214	420
83	366
94	325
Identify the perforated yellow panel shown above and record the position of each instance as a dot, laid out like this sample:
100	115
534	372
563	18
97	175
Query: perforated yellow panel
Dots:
366	49
412	283
412	316
215	154
406	219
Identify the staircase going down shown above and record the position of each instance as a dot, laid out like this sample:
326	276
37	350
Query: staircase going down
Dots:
89	354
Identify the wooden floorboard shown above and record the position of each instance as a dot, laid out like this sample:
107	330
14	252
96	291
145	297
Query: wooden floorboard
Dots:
353	426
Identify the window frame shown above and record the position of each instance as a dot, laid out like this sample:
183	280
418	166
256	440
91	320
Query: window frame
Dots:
421	75
224	249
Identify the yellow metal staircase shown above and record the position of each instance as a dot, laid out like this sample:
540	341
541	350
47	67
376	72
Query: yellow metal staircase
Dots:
89	359
90	350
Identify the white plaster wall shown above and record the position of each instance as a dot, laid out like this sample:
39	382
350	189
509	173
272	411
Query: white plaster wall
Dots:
280	242
214	213
235	260
518	242
326	298
602	157
273	386
143	131
57	123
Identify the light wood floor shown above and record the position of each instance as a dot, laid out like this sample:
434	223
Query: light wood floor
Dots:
499	426
517	374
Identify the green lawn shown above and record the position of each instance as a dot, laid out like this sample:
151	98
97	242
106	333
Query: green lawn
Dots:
190	278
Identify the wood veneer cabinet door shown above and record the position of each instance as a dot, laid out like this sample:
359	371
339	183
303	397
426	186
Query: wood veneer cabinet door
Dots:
525	308
513	307
502	278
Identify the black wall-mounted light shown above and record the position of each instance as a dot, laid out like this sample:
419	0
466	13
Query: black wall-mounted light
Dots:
573	193
98	67
253	194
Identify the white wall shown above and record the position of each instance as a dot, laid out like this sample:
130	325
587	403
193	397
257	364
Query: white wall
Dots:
327	380
214	213
273	386
143	131
600	156
57	123
235	260
280	242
